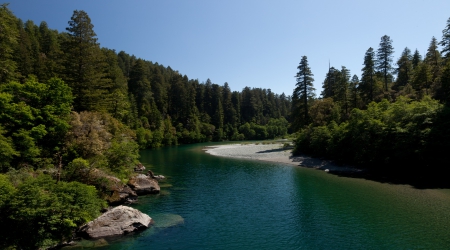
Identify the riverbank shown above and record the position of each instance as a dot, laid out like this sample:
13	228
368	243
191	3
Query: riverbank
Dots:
276	153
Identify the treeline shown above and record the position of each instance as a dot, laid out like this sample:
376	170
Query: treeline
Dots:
73	116
380	121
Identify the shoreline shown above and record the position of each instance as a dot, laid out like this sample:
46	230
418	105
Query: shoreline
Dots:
276	153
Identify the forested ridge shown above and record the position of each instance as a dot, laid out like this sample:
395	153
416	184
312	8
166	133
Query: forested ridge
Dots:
74	115
393	121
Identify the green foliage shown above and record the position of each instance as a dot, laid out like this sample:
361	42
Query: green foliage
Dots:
42	212
386	134
35	120
323	111
104	141
7	151
8	41
122	156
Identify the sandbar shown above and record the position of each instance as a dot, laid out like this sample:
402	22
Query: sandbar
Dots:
275	153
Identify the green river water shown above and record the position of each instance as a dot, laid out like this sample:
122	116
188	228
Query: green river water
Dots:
210	202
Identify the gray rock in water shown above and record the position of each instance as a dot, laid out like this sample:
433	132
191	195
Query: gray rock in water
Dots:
139	167
117	221
143	184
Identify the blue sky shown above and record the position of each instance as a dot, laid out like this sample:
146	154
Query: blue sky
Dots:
255	43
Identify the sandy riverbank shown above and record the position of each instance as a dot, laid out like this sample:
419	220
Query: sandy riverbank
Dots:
274	153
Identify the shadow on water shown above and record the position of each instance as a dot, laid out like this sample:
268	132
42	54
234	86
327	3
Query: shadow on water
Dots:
415	179
417	176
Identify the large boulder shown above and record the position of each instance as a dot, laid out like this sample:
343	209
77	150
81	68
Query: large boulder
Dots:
115	222
143	184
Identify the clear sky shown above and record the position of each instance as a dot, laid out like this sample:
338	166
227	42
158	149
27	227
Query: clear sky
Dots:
255	43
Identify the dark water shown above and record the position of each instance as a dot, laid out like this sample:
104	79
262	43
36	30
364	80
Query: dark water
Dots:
210	202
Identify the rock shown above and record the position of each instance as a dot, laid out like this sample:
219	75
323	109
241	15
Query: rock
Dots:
113	189
139	167
120	193
143	184
157	177
117	221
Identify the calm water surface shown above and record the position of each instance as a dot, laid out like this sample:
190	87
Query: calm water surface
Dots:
210	202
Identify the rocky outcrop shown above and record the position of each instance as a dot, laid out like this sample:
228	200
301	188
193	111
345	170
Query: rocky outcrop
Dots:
120	193
143	184
115	222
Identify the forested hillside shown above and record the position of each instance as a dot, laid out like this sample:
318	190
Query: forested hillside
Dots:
73	116
395	119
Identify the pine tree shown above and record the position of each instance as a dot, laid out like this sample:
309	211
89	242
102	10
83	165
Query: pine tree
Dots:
368	73
50	56
404	69
303	92
342	89
329	84
433	58
445	42
354	91
417	58
23	55
422	78
384	59
85	65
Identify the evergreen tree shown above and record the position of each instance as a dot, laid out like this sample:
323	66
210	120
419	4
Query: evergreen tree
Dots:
384	59
139	86
433	59
236	102
417	58
23	55
422	78
445	42
85	65
50	57
404	69
329	84
159	89
354	95
342	90
119	105
303	92
33	35
368	73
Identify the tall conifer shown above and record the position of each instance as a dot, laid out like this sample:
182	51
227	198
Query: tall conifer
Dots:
303	92
384	59
85	65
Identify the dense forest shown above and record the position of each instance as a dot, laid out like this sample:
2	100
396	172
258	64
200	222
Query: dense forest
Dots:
74	115
394	120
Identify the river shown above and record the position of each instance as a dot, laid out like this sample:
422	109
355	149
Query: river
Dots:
210	202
